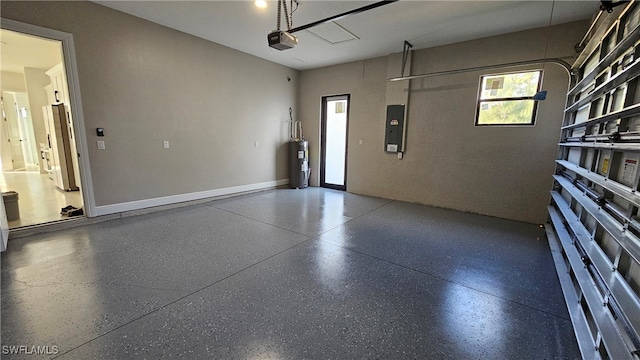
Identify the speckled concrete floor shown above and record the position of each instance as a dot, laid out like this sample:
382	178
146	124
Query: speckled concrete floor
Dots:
287	274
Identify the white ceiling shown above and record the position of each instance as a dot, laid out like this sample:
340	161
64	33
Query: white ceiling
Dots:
18	51
378	32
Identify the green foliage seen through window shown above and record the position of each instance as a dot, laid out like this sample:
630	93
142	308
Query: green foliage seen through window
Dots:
506	99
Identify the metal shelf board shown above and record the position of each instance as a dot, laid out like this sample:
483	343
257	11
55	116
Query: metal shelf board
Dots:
629	73
634	147
615	187
620	48
616	284
572	219
604	308
624	138
629	242
622	113
611	337
578	318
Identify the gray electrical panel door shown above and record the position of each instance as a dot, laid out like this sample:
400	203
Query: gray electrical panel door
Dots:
394	128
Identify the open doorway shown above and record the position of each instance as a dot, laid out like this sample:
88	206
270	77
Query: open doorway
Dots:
38	154
335	128
21	154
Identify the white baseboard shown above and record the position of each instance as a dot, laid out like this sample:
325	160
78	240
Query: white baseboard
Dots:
174	199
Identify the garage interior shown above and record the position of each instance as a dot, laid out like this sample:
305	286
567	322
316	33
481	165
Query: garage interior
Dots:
460	236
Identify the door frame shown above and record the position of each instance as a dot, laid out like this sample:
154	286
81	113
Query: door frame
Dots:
323	140
73	84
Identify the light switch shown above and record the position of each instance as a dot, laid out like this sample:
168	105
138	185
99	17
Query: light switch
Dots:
166	144
101	145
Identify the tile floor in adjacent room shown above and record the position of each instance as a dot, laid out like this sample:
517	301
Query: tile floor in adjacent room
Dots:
39	200
288	274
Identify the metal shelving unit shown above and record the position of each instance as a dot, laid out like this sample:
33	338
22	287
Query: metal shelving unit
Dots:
594	218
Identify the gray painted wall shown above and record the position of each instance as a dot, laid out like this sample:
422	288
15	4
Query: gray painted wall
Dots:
498	171
145	83
11	81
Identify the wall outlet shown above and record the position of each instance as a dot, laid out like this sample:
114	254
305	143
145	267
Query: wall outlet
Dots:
165	144
101	145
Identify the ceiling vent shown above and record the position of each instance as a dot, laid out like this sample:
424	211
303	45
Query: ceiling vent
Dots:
333	33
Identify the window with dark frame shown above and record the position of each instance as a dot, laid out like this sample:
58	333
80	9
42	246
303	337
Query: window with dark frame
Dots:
507	99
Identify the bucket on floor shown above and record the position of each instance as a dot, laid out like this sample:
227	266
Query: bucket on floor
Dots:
10	199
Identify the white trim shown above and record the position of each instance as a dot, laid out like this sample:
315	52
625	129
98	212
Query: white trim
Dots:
4	227
173	199
73	83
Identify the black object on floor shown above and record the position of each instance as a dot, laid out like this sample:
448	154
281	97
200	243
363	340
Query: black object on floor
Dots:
71	211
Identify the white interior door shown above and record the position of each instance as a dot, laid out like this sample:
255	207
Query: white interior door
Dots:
53	138
13	129
25	124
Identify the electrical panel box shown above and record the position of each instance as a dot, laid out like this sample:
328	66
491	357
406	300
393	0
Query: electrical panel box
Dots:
394	128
